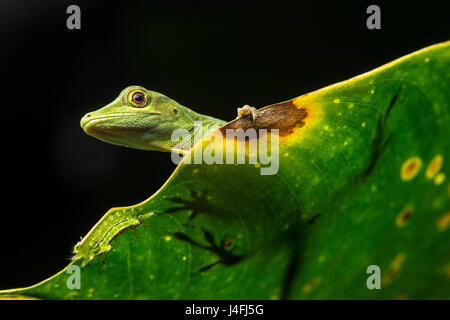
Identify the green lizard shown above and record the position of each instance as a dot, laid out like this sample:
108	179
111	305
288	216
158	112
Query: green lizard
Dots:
142	119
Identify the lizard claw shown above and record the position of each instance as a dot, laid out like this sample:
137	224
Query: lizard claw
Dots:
247	110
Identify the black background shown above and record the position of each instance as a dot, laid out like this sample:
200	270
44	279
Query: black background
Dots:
58	182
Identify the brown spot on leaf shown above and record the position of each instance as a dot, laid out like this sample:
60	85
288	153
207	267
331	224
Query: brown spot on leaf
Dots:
434	167
311	285
228	244
284	116
410	168
394	268
404	216
443	222
390	276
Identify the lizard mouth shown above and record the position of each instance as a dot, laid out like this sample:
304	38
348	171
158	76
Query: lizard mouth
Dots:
90	123
89	119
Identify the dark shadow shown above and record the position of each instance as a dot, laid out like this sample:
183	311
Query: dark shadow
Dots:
297	242
314	218
381	142
223	250
294	239
198	204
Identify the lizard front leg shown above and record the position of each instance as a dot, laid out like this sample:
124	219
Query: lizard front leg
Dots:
247	110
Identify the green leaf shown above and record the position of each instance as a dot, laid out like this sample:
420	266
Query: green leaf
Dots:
362	180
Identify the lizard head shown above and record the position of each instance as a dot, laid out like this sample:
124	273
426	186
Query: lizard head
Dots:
138	118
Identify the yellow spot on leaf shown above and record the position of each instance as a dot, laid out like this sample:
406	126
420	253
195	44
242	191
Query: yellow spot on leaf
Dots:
447	270
434	167
326	127
313	111
363	124
427	60
311	285
439	179
394	268
372	91
443	222
336	100
398	261
404	216
410	168
184	258
350	105
167	238
401	296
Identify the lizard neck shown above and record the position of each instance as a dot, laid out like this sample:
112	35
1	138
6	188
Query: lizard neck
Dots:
199	125
207	123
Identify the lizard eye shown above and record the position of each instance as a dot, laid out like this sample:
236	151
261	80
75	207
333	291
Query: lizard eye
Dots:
138	99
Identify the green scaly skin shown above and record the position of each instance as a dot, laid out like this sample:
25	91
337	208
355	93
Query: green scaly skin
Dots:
142	119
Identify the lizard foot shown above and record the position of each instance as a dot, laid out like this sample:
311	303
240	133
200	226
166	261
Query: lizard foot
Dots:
247	110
